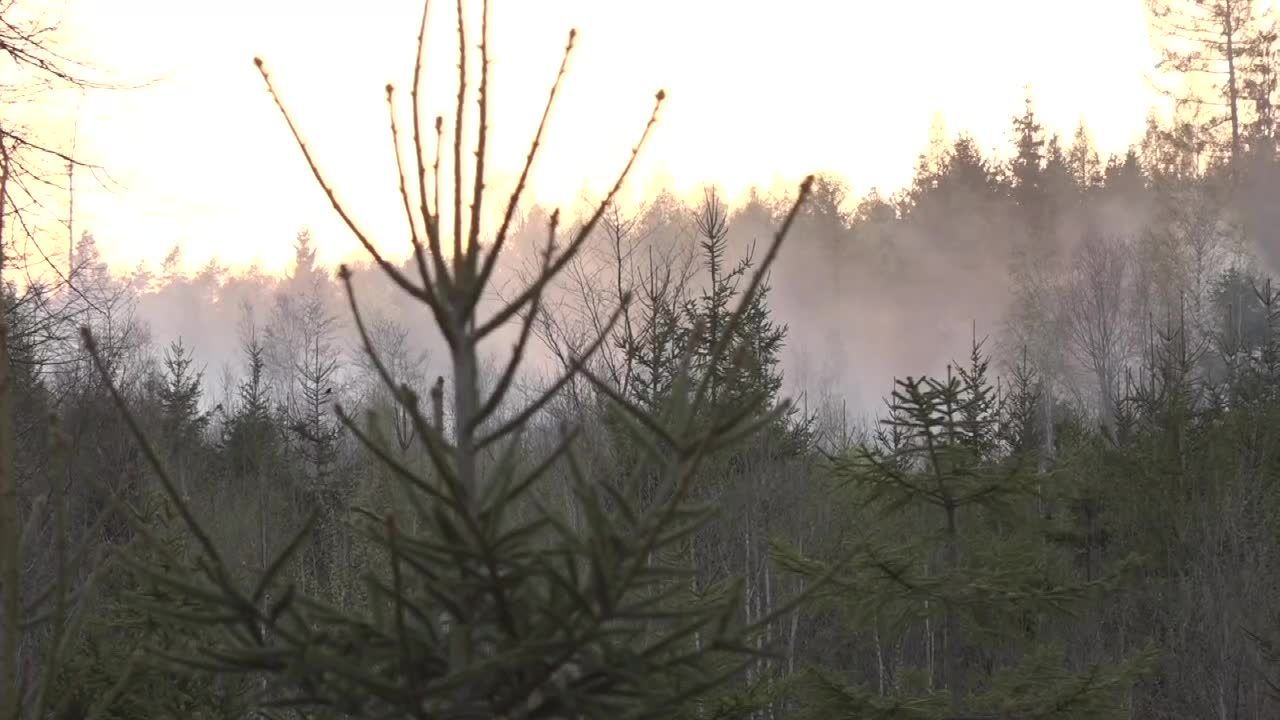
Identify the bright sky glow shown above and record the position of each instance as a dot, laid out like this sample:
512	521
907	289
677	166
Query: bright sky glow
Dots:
759	94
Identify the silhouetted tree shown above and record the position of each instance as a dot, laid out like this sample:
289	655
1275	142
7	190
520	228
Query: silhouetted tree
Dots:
1213	41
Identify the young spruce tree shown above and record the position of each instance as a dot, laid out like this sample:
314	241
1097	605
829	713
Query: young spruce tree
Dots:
485	603
970	565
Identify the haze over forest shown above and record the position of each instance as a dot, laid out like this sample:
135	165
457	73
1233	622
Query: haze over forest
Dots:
911	362
159	192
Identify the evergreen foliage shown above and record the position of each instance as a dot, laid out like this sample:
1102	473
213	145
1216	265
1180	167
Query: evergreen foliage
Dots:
974	561
1077	520
484	602
179	396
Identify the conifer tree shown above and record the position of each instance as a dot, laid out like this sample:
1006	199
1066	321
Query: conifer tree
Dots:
118	666
1021	426
656	348
183	424
981	414
1218	42
1027	164
931	163
486	602
1083	160
712	308
1061	188
250	439
249	426
317	373
179	396
975	567
747	373
306	275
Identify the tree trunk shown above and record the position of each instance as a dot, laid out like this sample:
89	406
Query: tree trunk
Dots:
1107	400
1233	94
9	532
955	683
1047	451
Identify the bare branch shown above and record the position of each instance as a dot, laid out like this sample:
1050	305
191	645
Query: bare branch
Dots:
430	216
477	198
457	146
526	328
418	257
583	233
575	366
513	202
391	270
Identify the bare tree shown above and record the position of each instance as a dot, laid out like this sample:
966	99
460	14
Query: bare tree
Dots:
1096	314
31	168
38	167
404	362
638	253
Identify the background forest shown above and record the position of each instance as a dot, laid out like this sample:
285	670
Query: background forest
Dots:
561	480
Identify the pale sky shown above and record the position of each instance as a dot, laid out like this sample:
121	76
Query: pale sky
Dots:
759	93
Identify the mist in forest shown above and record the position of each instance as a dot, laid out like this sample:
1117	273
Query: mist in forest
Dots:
870	288
1000	442
859	296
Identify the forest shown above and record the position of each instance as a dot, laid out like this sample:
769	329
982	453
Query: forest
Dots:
628	460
